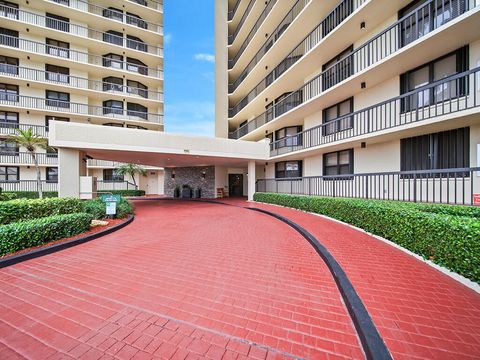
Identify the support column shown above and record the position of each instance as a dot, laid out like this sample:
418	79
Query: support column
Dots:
251	179
71	166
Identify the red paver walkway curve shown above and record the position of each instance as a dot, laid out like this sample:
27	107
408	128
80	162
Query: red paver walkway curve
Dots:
420	312
183	281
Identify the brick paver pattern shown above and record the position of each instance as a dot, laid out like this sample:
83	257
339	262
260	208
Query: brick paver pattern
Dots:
183	281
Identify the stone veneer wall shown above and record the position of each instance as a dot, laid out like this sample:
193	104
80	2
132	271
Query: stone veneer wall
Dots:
191	176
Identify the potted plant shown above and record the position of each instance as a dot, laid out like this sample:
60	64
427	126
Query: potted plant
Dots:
186	191
176	192
197	193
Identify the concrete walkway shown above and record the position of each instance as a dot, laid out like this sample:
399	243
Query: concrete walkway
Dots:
198	280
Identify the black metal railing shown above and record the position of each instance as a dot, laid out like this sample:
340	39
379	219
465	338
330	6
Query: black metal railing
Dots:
233	11
376	49
447	96
29	102
327	25
10	128
445	186
241	22
25	158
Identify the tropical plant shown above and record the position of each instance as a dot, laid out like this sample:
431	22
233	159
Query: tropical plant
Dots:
32	143
131	169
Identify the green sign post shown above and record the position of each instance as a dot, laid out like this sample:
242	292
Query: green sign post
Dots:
111	203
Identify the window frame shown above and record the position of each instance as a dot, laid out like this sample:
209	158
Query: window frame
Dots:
108	107
57	22
8	148
337	127
338	173
10	93
288	140
141	113
140	89
109	85
48	178
114	177
49	118
142	68
59	71
5	123
58	50
10	9
57	102
5	169
330	78
282	174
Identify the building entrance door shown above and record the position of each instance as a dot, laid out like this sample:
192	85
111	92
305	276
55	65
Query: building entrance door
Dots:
235	184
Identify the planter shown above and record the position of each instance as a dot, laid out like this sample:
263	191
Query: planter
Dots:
186	193
197	193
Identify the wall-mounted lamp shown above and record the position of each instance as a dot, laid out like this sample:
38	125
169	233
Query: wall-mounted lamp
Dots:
363	85
173	174
363	26
204	175
363	145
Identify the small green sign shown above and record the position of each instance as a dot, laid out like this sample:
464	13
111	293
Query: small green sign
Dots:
111	198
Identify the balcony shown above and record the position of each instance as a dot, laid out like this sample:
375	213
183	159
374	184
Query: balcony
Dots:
111	14
326	26
23	73
279	30
34	103
103	163
383	45
84	32
78	56
232	37
442	186
10	128
233	11
31	185
448	96
24	158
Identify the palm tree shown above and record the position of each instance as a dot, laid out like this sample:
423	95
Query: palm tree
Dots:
131	169
32	142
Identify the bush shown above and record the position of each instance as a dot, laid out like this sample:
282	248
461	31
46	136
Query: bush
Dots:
24	209
7	196
31	194
432	231
21	235
97	208
127	192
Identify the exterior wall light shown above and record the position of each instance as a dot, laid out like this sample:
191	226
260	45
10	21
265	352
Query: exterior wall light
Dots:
204	175
363	26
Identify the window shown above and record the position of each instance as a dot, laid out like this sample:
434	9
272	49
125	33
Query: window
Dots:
112	107
57	98
49	118
419	18
442	150
113	37
137	110
111	175
113	124
52	152
8	148
436	70
9	119
57	22
336	17
112	83
8	9
141	2
8	65
337	69
338	163
136	127
288	169
136	66
136	20
8	92
136	43
337	111
288	136
287	102
52	174
137	88
113	13
9	173
58	48
113	60
9	37
57	73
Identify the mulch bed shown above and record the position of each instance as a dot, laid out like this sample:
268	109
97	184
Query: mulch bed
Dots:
96	229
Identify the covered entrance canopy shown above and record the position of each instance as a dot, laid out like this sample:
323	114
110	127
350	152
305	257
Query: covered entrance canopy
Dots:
77	142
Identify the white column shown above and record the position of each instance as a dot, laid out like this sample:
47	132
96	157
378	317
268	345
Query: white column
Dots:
71	166
251	179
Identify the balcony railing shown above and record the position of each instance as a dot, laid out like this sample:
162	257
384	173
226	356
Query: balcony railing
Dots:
327	25
31	185
18	72
29	102
10	128
103	163
251	34
447	96
111	14
51	23
107	185
74	55
152	4
447	186
241	22
233	11
25	158
381	46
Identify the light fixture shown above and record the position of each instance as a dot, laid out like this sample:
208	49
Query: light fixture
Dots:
363	26
363	85
204	174
363	145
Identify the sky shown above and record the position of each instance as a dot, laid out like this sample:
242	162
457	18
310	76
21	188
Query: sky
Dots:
189	67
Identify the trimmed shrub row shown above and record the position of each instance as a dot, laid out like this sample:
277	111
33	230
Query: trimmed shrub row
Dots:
29	194
447	235
28	209
127	192
21	235
97	208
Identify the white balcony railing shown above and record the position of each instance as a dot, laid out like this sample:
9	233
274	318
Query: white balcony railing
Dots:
25	158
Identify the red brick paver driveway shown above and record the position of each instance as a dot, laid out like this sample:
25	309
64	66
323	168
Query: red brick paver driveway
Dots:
200	280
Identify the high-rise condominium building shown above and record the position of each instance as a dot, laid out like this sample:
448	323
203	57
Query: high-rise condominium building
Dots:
98	62
355	97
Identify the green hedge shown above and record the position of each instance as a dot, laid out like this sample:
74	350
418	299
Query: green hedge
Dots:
447	235
30	194
98	210
126	192
21	235
27	209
